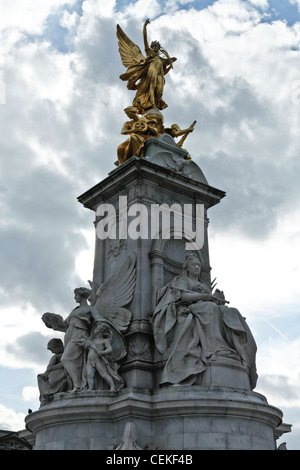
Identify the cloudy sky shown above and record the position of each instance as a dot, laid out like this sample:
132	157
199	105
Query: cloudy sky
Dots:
61	111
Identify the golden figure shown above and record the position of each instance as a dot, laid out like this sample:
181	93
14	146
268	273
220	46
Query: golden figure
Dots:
139	129
144	74
175	131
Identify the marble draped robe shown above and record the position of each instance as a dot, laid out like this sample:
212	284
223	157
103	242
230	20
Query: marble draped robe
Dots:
199	332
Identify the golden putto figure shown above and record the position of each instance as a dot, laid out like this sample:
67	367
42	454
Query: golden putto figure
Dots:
144	74
140	128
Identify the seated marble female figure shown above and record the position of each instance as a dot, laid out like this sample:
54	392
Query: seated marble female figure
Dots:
192	327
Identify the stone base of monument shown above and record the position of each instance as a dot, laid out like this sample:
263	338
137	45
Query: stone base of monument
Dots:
228	373
194	417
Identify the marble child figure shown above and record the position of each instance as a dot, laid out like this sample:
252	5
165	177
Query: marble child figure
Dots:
54	379
100	358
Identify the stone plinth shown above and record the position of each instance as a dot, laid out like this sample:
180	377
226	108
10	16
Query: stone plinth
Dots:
181	418
163	176
226	373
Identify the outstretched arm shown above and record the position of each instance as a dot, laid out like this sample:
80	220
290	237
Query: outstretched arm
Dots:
185	133
146	45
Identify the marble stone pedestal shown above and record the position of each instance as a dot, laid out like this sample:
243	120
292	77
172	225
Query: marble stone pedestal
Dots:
171	418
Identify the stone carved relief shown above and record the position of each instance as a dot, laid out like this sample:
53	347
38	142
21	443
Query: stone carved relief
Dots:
129	439
162	197
193	327
11	441
172	162
116	247
139	347
93	341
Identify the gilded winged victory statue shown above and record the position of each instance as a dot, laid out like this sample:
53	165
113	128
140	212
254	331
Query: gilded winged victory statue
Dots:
146	75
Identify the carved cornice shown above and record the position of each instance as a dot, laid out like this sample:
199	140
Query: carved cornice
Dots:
138	171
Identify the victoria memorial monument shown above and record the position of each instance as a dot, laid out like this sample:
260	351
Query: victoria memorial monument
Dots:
153	355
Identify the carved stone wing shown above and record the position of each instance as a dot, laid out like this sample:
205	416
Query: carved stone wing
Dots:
117	292
130	53
93	294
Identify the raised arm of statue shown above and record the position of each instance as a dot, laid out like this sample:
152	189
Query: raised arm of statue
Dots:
146	44
175	131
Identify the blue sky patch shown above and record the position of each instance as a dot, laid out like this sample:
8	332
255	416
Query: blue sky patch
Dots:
15	380
282	10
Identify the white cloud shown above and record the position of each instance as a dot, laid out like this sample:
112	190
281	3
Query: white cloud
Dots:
29	393
295	2
98	8
10	420
259	276
172	5
246	99
69	20
29	16
279	371
260	3
2	92
16	322
143	9
85	259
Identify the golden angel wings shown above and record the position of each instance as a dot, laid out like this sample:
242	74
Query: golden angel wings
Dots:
130	53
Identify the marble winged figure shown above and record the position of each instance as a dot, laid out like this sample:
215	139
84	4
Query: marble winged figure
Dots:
144	74
107	306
